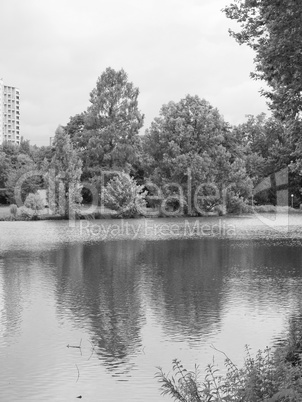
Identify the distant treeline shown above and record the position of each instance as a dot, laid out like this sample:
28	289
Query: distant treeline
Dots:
188	148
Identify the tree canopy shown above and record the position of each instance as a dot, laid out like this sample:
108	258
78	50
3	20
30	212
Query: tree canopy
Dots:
107	133
189	148
187	143
273	29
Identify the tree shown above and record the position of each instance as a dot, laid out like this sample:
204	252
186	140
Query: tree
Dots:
186	130
15	162
188	143
75	127
4	168
22	168
64	175
42	155
273	30
107	134
25	147
268	138
8	157
268	148
124	195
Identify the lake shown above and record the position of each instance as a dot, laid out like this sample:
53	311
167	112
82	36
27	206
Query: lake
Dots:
92	308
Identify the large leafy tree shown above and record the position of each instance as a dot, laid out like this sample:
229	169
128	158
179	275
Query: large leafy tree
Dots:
266	144
268	148
184	135
273	29
187	144
20	175
107	134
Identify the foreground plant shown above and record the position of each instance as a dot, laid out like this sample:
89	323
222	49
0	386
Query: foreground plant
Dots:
268	377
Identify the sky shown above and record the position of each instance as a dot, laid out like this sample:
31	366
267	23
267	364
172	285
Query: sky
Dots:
54	51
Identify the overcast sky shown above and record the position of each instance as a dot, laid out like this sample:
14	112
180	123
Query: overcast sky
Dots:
54	51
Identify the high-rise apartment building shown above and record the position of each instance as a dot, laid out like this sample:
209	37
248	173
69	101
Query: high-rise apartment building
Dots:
9	114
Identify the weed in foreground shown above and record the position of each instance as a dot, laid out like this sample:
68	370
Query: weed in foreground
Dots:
267	377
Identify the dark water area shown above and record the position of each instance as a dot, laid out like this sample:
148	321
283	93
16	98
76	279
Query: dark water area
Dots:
131	302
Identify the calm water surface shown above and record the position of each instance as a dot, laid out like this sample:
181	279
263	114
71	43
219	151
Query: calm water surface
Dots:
133	295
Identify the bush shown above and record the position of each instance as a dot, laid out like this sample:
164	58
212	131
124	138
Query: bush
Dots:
13	209
270	376
26	213
123	195
220	209
265	208
237	205
207	199
34	202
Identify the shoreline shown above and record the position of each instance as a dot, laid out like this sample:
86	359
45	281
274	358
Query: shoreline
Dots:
6	216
